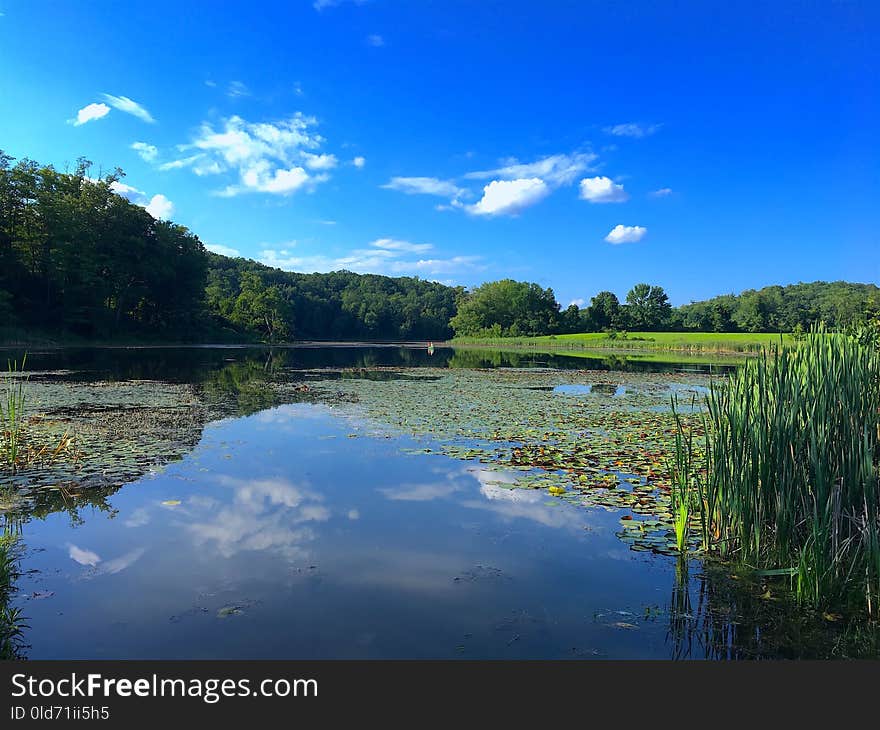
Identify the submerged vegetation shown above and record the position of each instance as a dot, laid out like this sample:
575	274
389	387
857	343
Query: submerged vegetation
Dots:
789	479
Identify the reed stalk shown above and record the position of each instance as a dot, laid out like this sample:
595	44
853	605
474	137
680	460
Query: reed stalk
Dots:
789	479
12	413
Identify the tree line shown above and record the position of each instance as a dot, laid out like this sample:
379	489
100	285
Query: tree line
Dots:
510	308
78	259
246	297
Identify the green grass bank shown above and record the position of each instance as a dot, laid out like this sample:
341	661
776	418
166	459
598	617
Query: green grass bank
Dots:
707	342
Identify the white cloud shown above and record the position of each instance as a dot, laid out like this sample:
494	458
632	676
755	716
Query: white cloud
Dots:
580	303
632	129
200	164
321	4
160	207
147	152
554	170
390	244
126	191
240	141
375	40
178	164
89	113
425	186
259	177
237	89
222	250
83	556
268	157
384	256
320	162
117	565
157	206
138	518
626	234
421	492
265	514
661	193
602	190
515	504
124	104
509	197
436	267
513	186
359	161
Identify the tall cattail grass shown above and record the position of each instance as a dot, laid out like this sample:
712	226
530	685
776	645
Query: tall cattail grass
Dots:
12	414
788	479
20	447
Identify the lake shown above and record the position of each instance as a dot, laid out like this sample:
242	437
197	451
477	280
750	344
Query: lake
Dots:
367	502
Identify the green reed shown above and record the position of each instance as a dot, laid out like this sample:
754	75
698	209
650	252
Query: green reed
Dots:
20	445
12	413
684	482
789	479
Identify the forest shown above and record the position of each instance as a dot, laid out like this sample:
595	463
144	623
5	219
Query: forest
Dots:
78	260
509	308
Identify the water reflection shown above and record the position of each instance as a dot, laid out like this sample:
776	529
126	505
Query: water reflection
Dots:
261	514
232	369
258	544
715	614
498	496
284	531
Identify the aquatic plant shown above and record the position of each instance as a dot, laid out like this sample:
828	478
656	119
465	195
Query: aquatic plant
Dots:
605	443
683	481
789	483
18	448
12	413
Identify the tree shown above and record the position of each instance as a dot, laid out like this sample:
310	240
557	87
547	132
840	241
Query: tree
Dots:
605	310
263	309
512	308
752	312
570	319
648	307
720	316
77	257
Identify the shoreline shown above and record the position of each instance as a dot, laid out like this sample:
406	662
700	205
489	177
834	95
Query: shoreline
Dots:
738	345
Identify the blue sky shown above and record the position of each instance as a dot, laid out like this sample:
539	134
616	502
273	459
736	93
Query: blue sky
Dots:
707	147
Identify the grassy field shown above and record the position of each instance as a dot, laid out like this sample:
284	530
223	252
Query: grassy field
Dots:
714	342
679	357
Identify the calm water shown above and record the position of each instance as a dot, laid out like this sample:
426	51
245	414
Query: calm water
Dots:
282	535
